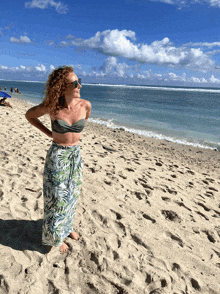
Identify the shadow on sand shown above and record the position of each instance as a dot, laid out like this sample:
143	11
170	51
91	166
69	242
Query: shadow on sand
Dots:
22	235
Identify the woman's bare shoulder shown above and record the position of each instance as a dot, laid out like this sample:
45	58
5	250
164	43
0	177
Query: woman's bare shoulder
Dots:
37	111
86	104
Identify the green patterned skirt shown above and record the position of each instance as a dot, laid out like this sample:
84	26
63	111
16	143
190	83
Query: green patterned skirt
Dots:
63	172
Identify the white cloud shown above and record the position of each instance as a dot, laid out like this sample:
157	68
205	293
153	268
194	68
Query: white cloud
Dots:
111	71
68	37
40	67
160	52
49	42
26	73
11	25
173	76
63	44
214	80
22	40
214	2
181	3
43	4
203	44
197	80
110	65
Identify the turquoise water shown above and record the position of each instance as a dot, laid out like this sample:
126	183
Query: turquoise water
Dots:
184	115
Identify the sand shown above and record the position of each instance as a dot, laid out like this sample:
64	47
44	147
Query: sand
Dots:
148	215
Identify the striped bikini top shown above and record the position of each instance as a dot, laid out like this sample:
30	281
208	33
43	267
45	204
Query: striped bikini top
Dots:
61	127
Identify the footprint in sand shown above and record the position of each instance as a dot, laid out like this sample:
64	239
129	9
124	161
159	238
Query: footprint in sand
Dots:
155	287
176	268
137	240
1	195
122	175
116	214
201	214
95	168
190	172
174	176
142	196
217	214
171	215
205	182
181	204
172	191
110	181
4	287
148	217
158	163
120	228
130	169
210	235
203	206
146	186
175	238
218	231
213	189
195	284
167	199
209	194
103	220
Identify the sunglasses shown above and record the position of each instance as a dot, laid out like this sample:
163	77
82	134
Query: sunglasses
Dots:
76	83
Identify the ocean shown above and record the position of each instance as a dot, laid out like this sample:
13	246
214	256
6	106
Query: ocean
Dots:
188	116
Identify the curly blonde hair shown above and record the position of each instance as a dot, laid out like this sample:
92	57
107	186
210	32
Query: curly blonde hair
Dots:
55	89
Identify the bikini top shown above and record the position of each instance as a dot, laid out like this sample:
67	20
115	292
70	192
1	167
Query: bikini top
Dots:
61	127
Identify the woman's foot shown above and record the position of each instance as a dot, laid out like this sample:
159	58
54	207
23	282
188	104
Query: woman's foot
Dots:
74	236
64	248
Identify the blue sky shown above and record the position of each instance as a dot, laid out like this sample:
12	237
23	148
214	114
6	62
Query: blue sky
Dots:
165	42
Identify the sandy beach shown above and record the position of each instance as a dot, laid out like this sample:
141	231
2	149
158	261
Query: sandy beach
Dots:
148	215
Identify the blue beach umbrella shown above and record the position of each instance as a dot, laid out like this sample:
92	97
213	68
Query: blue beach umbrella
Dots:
5	95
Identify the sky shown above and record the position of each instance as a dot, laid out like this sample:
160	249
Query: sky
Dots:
155	42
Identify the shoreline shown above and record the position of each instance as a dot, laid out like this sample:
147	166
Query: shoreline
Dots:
199	154
192	154
148	214
146	134
156	136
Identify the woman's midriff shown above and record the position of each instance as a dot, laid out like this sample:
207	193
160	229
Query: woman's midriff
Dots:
67	139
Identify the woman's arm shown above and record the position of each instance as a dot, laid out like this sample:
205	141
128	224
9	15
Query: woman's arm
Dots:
32	116
88	110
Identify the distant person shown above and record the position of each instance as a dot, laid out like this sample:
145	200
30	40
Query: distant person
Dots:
63	170
16	90
0	88
4	103
5	88
11	90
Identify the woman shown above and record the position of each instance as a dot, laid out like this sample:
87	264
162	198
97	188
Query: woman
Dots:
63	165
4	103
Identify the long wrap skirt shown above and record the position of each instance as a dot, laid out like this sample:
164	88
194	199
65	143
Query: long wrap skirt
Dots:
62	179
